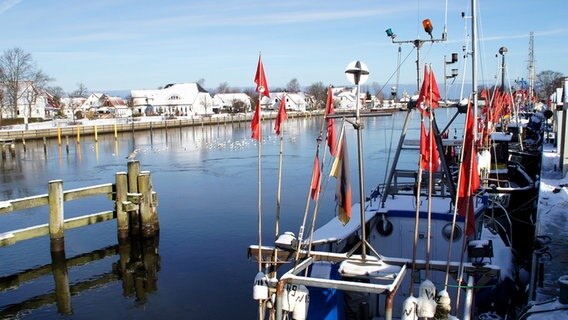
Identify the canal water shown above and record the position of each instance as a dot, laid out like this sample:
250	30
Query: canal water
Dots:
206	181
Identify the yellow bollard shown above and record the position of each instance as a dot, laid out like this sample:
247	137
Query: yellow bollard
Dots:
115	134
59	135
96	135
78	134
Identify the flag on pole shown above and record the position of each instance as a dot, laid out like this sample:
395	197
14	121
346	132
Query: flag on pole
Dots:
429	95
281	116
340	170
315	184
331	133
262	89
255	124
469	176
260	79
428	144
423	94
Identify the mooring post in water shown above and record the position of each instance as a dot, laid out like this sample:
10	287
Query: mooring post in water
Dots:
55	199
147	221
96	134
24	143
44	146
62	288
78	134
3	151
13	149
132	174
115	133
59	135
121	196
67	144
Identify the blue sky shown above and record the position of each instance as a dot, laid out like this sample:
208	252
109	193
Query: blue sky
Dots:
143	44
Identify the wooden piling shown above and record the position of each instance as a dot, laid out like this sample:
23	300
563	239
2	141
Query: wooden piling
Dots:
78	134
3	151
133	168
121	196
55	199
67	144
146	219
96	134
59	135
61	279
24	144
115	132
44	146
13	149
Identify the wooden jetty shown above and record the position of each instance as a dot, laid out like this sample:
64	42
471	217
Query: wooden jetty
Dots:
134	199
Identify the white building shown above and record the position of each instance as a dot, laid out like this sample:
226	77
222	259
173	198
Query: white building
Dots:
180	99
294	101
31	103
224	102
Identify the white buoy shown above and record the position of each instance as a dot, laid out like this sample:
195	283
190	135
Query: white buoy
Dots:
443	306
260	288
426	299
409	309
302	302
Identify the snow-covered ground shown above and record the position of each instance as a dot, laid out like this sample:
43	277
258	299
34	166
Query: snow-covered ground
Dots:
553	222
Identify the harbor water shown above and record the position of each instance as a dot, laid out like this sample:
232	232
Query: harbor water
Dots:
206	181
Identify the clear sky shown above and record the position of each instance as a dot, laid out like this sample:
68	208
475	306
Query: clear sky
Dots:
144	44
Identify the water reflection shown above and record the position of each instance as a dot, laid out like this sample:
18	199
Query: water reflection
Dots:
137	267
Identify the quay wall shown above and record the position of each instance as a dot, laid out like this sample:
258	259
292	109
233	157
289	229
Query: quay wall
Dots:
90	128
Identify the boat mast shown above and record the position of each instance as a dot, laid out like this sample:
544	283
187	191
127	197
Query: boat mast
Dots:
474	63
531	68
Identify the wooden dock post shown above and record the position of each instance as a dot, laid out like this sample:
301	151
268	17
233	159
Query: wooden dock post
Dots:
147	221
55	199
13	149
115	133
78	134
3	151
133	170
61	278
44	146
59	135
67	144
24	144
96	134
121	196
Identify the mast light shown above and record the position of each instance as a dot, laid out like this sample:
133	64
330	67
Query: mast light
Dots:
428	26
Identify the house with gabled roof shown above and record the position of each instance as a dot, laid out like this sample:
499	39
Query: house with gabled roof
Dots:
225	102
294	101
178	99
31	102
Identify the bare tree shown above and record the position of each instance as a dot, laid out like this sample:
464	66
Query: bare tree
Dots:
201	82
319	92
293	86
547	82
223	88
17	72
80	92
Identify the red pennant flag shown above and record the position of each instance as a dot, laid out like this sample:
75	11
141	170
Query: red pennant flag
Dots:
255	124
428	151
316	179
331	133
434	94
422	95
340	170
260	79
469	176
281	116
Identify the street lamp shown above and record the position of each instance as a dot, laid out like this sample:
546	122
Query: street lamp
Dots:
502	52
428	28
357	73
452	75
